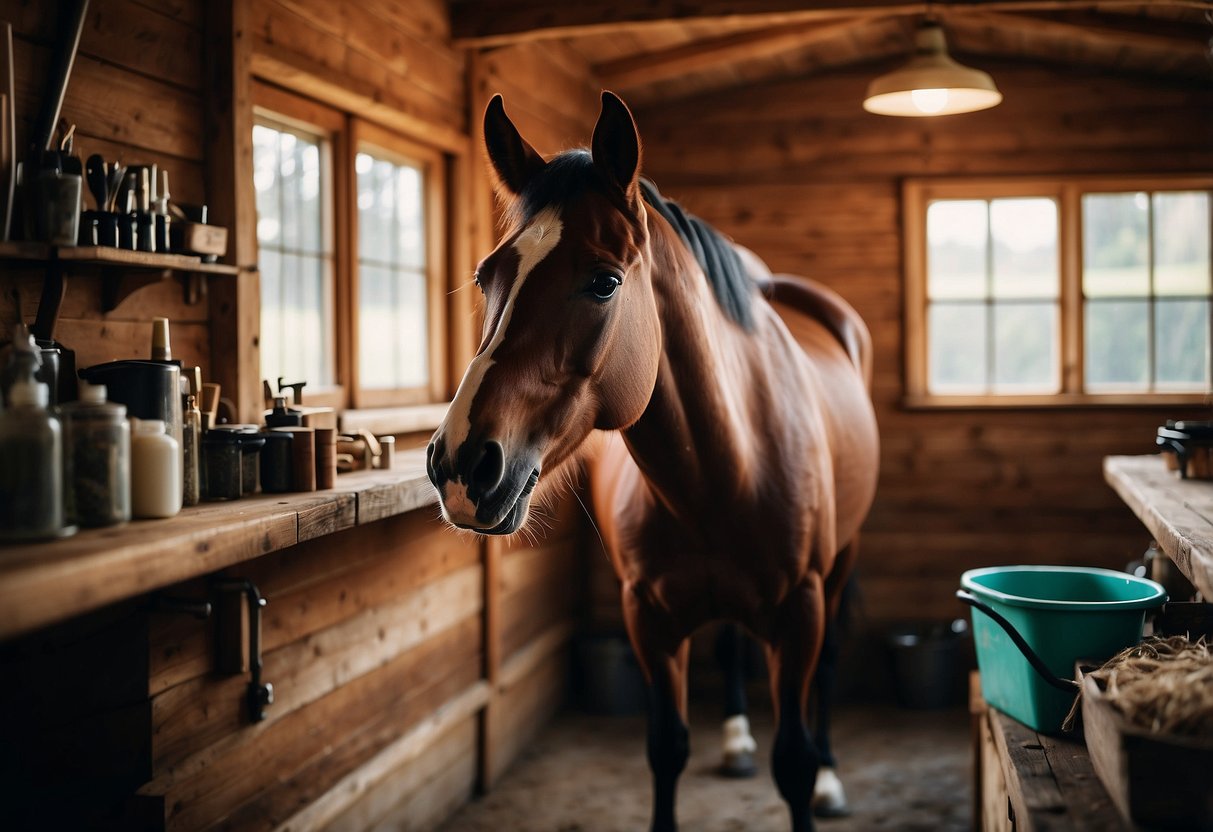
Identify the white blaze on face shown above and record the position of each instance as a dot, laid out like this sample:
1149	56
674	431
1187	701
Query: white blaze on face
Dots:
534	244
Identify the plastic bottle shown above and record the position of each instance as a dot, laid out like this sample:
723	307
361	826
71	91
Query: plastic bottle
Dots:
97	458
191	437
155	470
31	474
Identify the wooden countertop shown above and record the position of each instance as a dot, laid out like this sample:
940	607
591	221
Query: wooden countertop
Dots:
1179	513
42	583
1050	781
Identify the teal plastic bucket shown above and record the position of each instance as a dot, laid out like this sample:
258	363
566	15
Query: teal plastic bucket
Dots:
1059	613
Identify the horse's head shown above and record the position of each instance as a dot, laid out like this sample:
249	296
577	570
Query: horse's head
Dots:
571	337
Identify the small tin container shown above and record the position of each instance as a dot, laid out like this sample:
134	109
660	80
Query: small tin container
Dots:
276	462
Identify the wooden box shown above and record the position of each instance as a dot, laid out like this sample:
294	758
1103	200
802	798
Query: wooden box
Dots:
1157	781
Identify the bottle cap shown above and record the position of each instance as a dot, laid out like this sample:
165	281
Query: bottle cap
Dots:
91	393
161	351
147	426
27	392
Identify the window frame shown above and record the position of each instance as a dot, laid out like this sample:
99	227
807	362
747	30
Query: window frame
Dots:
274	106
392	146
917	194
344	134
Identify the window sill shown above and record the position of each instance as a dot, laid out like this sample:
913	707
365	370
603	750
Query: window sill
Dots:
385	420
920	401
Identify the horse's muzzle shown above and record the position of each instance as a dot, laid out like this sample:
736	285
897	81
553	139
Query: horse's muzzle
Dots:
482	489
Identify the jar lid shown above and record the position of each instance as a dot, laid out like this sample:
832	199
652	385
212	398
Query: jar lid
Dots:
221	437
147	426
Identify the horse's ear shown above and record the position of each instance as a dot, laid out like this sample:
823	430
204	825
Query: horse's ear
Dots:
616	145
515	161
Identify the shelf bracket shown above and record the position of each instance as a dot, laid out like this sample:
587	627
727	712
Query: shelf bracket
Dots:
117	287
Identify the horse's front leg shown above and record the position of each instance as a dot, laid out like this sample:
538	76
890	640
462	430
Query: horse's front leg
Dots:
795	648
664	662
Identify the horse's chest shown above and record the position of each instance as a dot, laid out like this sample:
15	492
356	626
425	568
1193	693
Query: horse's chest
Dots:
725	574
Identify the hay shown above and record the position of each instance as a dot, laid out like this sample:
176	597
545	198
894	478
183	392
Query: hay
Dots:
1163	686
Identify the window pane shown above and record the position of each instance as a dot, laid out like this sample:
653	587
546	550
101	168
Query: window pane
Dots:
1024	236
1117	351
1026	348
267	184
296	288
393	309
956	333
1116	245
376	328
410	218
1181	243
957	238
1181	345
412	346
310	210
269	265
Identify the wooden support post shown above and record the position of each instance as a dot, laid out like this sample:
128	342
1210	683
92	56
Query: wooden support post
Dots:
492	553
235	305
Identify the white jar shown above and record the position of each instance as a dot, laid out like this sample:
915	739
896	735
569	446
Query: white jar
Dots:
155	470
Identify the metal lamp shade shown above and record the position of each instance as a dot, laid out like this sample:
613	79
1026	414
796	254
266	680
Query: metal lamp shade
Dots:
931	83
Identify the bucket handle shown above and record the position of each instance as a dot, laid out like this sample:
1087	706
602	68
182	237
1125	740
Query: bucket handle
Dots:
1067	685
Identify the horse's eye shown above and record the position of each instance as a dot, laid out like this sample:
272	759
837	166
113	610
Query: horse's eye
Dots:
604	285
476	280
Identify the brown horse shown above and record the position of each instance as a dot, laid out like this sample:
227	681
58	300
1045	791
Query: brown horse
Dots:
741	451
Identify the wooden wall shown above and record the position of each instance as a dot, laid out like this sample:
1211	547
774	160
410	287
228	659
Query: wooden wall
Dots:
410	664
799	173
135	96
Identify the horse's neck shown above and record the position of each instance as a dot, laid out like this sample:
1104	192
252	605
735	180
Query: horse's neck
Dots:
694	440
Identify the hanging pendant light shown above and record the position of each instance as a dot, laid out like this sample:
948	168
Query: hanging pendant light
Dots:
931	84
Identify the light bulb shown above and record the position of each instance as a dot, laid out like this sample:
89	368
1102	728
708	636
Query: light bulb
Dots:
929	101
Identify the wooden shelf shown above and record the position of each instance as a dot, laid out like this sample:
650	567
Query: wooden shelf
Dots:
1179	513
42	583
123	271
107	256
1032	781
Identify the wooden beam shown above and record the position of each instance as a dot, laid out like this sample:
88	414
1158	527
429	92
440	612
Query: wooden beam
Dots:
1095	30
235	305
498	22
639	70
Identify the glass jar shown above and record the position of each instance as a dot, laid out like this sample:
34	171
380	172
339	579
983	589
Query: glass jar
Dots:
97	458
31	466
250	462
222	478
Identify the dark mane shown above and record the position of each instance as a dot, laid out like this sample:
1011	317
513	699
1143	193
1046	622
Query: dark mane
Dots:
572	173
715	254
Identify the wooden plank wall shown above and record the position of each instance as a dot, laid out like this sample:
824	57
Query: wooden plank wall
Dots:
799	173
410	664
135	95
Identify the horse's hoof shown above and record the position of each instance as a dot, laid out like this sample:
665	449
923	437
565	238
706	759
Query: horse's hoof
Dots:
829	799
738	765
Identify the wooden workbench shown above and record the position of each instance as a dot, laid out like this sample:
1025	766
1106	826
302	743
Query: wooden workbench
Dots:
1032	782
1179	513
43	583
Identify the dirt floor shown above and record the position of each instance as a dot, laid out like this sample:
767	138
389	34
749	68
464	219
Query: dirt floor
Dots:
903	770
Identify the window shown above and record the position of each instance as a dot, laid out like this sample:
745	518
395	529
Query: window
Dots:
1058	291
295	253
400	264
352	256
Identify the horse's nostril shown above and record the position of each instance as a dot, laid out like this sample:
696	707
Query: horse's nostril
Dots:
490	469
433	452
